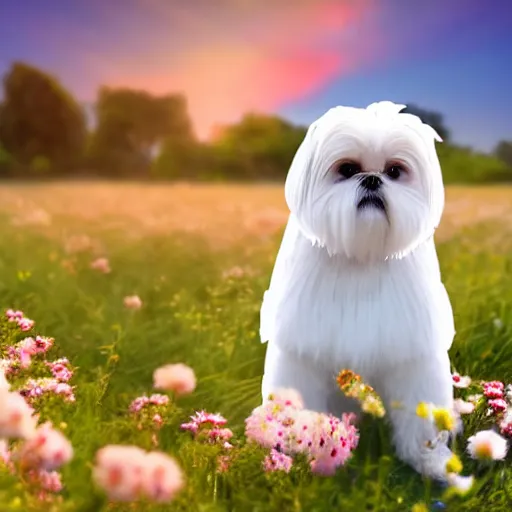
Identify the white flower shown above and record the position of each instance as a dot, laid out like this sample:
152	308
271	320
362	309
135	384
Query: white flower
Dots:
460	381
498	324
461	483
463	407
487	444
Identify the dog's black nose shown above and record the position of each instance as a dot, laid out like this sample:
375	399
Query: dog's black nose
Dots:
371	182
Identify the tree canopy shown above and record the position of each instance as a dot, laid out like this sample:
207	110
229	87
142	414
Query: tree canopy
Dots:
39	118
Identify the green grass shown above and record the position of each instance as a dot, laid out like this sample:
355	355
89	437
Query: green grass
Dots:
192	314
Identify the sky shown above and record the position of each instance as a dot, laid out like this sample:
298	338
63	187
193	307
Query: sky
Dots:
295	58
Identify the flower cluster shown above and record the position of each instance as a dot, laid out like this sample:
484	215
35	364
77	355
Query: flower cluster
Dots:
31	451
35	388
128	473
483	445
499	401
496	396
210	427
353	386
150	412
283	425
24	323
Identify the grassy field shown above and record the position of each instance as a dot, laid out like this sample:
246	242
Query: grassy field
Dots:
200	258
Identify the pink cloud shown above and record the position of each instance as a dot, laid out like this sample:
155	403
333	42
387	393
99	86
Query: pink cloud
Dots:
256	59
228	56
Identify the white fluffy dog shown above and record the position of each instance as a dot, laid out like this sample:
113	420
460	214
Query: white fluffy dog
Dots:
356	283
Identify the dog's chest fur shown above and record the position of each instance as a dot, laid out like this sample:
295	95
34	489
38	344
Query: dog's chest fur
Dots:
344	314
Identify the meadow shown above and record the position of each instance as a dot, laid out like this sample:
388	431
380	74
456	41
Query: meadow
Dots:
200	257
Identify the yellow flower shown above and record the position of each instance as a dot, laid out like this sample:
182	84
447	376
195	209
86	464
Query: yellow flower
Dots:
419	507
423	410
454	464
443	419
372	405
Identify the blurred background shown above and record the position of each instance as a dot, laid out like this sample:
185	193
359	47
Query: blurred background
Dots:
224	89
144	146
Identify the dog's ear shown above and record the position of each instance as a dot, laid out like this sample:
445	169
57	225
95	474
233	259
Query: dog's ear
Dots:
299	174
432	132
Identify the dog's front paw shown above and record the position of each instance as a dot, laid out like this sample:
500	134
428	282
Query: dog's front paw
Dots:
432	462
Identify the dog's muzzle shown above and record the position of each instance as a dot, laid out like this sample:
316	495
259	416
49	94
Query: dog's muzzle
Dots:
371	198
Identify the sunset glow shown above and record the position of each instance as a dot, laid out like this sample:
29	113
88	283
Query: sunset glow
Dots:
295	58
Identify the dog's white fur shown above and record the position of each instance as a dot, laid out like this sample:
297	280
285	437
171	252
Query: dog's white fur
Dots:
360	289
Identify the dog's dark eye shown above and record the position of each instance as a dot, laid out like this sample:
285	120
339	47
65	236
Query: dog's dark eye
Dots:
349	169
394	171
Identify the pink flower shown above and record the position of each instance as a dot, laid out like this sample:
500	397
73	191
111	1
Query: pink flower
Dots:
138	404
178	378
37	387
191	426
157	420
142	401
220	434
63	388
288	398
162	477
463	407
5	454
127	473
16	416
223	462
277	461
48	449
494	389
132	302
157	399
60	369
498	405
327	441
39	345
102	265
14	315
50	481
460	381
487	444
43	344
118	471
26	324
202	418
506	423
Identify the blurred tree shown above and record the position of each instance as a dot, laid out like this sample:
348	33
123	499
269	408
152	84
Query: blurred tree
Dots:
434	119
40	119
6	162
131	126
503	151
259	147
463	165
186	160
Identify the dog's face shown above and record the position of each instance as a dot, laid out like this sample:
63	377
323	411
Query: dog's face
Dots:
366	183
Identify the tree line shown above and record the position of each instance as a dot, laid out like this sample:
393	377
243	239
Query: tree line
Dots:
44	134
